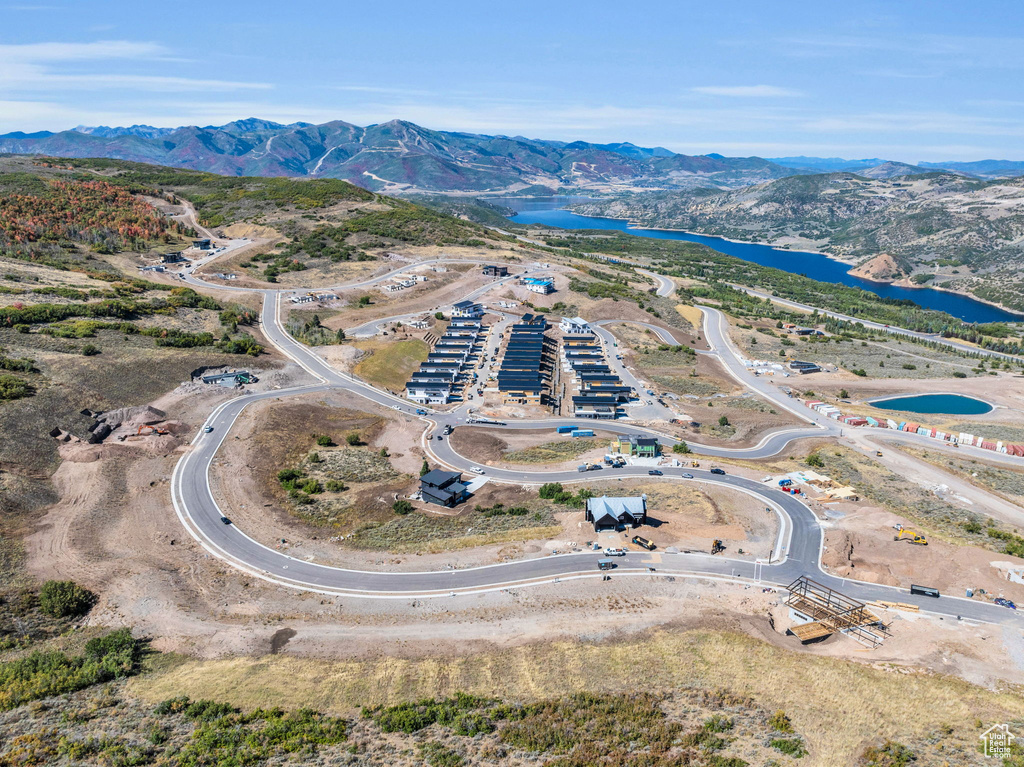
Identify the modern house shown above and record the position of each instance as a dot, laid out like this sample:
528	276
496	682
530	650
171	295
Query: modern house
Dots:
172	258
202	244
612	513
634	444
428	392
492	270
467	309
542	285
445	488
575	326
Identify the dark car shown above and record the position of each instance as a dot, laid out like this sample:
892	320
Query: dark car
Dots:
225	520
1005	603
655	473
718	471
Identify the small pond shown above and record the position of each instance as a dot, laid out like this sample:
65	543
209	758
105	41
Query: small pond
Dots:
951	404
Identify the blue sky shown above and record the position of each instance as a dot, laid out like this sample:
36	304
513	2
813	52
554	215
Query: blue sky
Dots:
908	81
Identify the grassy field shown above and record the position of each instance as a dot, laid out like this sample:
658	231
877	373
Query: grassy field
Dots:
554	452
421	533
838	705
390	364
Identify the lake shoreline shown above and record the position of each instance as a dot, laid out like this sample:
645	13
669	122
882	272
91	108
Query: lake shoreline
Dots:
638	228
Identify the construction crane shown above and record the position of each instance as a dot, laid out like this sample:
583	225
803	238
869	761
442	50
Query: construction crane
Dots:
902	534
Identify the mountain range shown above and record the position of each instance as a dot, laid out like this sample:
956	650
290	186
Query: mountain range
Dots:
401	157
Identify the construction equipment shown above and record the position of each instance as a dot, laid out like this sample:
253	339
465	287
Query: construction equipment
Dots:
695	464
640	541
903	534
145	429
717	546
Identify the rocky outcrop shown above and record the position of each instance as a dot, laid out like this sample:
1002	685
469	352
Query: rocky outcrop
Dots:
881	268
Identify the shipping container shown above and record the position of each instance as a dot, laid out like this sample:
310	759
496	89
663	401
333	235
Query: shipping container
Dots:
565	429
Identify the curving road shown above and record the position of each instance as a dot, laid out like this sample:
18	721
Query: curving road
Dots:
797	551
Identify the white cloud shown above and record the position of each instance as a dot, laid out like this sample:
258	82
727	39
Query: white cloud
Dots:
746	91
44	53
36	68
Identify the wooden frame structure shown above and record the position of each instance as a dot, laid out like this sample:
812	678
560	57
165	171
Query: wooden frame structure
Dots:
830	611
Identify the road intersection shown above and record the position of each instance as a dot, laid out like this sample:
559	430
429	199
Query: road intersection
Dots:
797	551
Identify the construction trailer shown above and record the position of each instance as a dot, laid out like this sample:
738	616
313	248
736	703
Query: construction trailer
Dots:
820	611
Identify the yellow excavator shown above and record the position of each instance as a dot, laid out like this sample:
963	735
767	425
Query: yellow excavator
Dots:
903	534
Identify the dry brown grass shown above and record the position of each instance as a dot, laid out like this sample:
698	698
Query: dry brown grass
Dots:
839	705
691	314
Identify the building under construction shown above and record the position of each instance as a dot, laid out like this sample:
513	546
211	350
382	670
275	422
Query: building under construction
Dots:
820	611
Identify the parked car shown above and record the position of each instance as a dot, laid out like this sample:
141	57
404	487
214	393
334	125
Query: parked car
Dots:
610	552
718	471
476	470
225	520
1005	603
655	472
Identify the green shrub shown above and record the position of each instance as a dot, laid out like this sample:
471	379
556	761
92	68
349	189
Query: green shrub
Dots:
323	440
401	507
288	475
90	350
889	754
13	388
815	460
44	674
681	447
352	438
550	489
437	755
793	747
780	722
65	599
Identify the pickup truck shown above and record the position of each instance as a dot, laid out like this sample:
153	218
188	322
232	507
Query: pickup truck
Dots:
609	552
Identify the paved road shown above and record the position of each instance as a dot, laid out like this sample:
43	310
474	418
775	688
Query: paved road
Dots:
797	551
877	325
666	287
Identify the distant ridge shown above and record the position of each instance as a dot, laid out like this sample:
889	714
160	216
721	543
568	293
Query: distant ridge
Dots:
400	156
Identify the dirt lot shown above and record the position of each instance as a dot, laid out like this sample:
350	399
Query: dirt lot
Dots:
491	446
705	390
860	545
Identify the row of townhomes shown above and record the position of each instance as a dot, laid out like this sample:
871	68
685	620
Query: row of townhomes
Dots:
446	371
602	393
525	372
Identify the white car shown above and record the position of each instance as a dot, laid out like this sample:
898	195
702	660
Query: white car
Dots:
477	470
610	552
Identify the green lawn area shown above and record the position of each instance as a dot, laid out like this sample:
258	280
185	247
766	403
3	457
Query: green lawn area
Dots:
390	364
